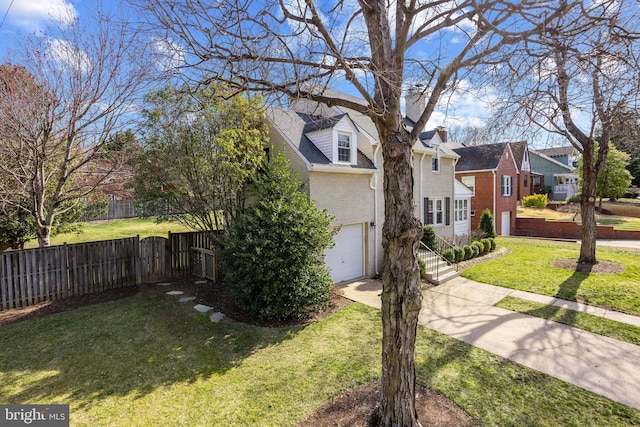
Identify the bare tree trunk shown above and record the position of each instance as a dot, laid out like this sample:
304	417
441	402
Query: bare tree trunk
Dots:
588	212
401	294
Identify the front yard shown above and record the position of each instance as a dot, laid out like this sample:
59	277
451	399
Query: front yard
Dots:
529	267
150	360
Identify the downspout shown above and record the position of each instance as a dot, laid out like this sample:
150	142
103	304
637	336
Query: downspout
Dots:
495	177
373	184
421	186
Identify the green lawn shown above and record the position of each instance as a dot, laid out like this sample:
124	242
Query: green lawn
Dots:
587	322
618	222
529	268
116	229
149	360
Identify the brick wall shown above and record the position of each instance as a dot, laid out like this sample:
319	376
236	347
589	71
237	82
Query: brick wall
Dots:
540	227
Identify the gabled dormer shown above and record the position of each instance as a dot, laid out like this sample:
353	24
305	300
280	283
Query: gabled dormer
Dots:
336	137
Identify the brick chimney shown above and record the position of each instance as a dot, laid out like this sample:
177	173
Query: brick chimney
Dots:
443	132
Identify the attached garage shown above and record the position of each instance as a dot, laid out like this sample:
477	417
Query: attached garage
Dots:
346	258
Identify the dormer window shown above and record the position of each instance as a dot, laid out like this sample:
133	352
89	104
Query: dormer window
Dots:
344	147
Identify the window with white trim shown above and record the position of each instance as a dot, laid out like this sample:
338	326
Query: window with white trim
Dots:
461	210
435	163
436	211
470	183
507	185
344	147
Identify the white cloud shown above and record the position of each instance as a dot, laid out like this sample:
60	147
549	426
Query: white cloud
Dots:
63	52
32	13
170	54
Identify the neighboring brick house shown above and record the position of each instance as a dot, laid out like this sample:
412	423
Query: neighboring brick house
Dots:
491	172
337	153
525	177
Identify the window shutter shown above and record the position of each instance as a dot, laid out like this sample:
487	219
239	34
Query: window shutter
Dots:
502	182
511	186
427	214
447	217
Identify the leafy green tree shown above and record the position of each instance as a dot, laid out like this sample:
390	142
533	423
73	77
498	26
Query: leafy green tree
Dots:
615	179
487	226
199	152
272	255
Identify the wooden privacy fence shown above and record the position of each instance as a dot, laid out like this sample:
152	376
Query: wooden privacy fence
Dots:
30	276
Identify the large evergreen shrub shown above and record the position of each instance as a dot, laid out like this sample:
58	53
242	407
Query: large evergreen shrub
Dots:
272	256
487	226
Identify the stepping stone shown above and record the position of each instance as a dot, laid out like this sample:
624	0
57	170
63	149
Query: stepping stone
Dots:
200	282
187	299
202	308
216	317
175	293
164	284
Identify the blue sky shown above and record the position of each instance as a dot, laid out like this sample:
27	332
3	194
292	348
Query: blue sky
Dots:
33	15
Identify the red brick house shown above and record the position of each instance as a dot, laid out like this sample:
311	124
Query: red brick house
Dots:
525	176
491	171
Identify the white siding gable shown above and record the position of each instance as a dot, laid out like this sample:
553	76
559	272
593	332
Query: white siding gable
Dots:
327	140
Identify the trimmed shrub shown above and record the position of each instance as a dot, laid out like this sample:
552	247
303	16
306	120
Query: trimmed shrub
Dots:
459	253
449	255
479	245
468	252
475	249
487	245
493	244
429	237
535	201
487	226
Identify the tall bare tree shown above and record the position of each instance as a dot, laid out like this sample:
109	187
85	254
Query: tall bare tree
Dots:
372	47
73	87
573	81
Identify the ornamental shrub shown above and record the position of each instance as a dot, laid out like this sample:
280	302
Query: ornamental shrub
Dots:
535	201
429	237
480	247
493	243
459	253
487	226
272	254
475	249
449	255
468	252
487	245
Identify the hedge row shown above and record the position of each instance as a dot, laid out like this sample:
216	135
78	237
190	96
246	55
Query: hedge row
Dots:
479	247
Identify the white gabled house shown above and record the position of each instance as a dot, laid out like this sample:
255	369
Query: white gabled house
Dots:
337	153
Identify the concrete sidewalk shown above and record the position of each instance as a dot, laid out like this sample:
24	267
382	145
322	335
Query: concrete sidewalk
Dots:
464	310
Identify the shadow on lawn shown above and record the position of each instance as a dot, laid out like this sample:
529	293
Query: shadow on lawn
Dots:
133	345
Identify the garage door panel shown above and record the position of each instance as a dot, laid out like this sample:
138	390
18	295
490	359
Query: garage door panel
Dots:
345	259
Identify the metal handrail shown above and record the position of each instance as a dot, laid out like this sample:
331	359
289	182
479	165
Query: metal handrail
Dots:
430	258
443	245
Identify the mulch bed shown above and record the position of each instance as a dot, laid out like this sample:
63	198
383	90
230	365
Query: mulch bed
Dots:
352	408
602	267
58	306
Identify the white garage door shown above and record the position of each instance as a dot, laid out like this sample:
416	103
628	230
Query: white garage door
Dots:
345	259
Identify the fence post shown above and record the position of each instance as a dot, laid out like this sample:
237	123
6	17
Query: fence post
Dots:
137	262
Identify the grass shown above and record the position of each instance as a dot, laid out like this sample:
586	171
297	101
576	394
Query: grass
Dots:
528	267
115	229
618	222
587	322
147	358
